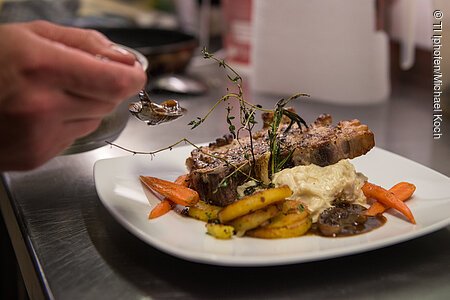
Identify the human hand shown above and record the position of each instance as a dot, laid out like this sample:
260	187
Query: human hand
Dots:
54	88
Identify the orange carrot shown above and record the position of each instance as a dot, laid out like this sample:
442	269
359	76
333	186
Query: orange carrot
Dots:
403	191
183	180
166	205
161	208
177	193
387	198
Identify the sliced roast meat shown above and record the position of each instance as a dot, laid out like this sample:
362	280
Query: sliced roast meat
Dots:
213	168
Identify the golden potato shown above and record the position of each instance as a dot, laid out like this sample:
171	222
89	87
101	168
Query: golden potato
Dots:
282	220
220	231
254	219
254	202
292	230
204	212
292	206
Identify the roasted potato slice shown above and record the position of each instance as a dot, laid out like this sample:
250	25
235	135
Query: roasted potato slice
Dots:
292	206
295	229
254	202
204	212
282	220
254	219
220	231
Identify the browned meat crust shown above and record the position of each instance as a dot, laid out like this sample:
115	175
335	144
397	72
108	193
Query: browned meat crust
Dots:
321	144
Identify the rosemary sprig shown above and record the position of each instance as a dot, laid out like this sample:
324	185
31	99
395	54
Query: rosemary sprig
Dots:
276	162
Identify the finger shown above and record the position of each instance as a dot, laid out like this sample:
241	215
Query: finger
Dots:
33	146
104	81
80	128
87	40
49	147
60	139
82	74
74	107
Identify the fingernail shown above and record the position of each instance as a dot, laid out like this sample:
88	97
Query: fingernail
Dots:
141	64
120	50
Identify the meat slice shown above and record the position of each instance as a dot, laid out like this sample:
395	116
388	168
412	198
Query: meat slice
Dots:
212	168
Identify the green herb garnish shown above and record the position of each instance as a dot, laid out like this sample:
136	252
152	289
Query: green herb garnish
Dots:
245	123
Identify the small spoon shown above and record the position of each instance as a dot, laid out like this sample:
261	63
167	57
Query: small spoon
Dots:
153	113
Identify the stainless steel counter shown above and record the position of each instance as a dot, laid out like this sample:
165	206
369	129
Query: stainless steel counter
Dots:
70	247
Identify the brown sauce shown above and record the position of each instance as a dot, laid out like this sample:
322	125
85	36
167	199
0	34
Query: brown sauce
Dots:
370	224
345	219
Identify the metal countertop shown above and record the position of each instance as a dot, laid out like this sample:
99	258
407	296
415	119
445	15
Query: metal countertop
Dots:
70	247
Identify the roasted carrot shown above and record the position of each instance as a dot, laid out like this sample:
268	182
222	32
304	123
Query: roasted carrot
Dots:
403	191
166	205
161	208
387	198
183	180
177	193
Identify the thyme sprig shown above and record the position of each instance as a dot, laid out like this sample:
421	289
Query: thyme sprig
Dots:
247	112
236	79
247	122
186	141
153	153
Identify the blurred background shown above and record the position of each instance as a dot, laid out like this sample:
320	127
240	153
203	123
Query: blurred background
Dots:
383	40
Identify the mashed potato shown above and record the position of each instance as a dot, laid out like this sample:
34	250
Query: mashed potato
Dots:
318	186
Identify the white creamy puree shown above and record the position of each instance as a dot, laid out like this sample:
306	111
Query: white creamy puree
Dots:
318	186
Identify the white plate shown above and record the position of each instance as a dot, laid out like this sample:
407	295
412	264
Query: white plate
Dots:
122	194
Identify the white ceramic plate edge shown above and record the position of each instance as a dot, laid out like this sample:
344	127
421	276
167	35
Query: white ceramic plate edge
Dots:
264	260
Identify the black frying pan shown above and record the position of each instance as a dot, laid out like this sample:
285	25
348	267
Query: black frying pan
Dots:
168	51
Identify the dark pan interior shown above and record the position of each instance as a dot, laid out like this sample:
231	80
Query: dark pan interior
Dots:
151	40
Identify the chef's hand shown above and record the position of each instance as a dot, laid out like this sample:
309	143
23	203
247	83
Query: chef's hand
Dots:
56	84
